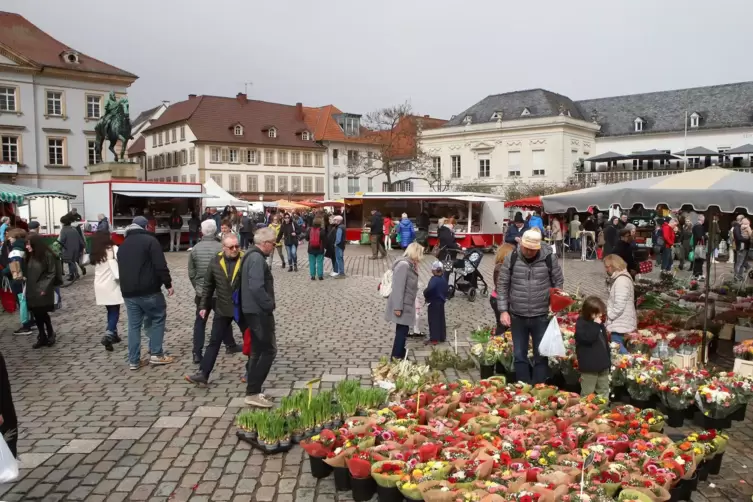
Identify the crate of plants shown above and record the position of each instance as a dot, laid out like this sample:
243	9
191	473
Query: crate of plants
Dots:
743	358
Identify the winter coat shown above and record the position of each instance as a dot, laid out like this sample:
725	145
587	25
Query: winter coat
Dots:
591	346
329	249
446	243
198	261
387	225
72	243
621	316
404	292
176	222
625	251
557	230
611	236
257	284
684	241
142	265
436	291
669	235
277	229
513	232
574	228
40	277
377	224
699	233
286	233
406	231
246	225
536	221
103	225
106	283
322	240
194	224
221	279
524	291
340	236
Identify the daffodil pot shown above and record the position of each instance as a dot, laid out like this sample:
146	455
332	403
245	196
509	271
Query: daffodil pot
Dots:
342	479
739	414
318	429
268	446
712	423
329	425
385	494
487	371
297	437
337	423
715	463
319	469
703	471
285	443
252	435
363	489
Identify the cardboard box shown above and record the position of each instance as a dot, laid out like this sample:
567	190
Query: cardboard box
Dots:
743	333
743	367
685	361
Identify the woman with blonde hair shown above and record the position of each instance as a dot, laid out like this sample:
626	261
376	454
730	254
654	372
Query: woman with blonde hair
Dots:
621	316
502	253
401	304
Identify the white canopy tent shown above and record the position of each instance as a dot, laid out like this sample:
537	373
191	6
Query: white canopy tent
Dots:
223	198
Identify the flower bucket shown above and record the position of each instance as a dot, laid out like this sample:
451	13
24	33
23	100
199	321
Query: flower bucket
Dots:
681	491
342	479
572	387
690	411
385	494
510	377
739	414
715	463
641	403
319	469
675	418
487	371
712	423
363	489
499	368
703	471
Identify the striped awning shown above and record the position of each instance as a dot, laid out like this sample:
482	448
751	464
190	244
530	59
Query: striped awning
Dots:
19	194
714	186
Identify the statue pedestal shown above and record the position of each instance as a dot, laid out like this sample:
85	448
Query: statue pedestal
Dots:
106	171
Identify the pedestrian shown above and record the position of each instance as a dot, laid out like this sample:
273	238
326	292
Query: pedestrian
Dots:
515	231
102	224
151	221
34	227
499	259
15	270
624	249
317	243
592	348
42	275
401	304
448	246
104	257
340	241
329	249
423	221
194	226
699	239
176	225
4	227
557	236
74	214
8	417
668	234
199	260
143	271
611	235
276	226
246	230
289	234
741	233
435	295
258	306
623	221
387	230
73	246
226	228
405	231
523	301
536	221
621	317
219	290
377	235
682	244
574	230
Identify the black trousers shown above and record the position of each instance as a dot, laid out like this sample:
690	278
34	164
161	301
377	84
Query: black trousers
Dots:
437	322
263	350
222	329
698	267
200	325
44	323
500	328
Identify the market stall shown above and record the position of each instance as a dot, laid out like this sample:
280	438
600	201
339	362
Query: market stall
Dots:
221	198
36	204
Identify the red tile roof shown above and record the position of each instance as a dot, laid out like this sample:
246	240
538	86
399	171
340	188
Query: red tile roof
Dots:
212	118
138	146
20	36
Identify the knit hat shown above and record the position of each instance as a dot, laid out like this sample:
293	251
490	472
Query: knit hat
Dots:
531	239
518	218
140	221
437	265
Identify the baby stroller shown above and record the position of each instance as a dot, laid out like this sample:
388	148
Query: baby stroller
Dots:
465	274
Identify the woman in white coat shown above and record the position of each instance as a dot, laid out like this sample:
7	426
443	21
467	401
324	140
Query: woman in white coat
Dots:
621	315
106	283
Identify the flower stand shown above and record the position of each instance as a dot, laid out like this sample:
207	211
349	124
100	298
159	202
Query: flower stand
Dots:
385	494
342	479
319	469
363	489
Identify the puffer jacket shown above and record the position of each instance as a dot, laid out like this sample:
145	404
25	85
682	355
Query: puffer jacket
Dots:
407	234
524	291
220	281
198	262
621	316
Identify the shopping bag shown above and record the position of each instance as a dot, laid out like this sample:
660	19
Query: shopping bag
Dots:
8	463
700	252
551	344
8	297
23	309
247	342
85	260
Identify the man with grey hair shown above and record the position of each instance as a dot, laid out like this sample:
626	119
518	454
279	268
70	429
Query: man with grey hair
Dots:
102	224
198	263
258	305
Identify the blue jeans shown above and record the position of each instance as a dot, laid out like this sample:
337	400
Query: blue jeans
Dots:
340	260
574	244
151	311
73	269
401	336
316	265
523	329
619	338
292	254
666	259
113	315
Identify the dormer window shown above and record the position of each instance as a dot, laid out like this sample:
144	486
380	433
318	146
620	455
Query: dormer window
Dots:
496	116
695	119
526	112
272	132
639	122
468	120
70	57
238	130
305	136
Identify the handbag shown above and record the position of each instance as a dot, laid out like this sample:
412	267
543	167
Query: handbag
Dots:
85	260
8	297
699	252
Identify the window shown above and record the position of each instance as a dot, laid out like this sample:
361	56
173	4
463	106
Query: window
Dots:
398	186
352	157
307	159
525	112
192	155
308	184
169	162
370	159
55	103
336	185
513	174
305	135
295	183
225	155
160	138
214	154
295	158
192	178
319	160
272	133
154	141
235	182
354	184
538	161
695	120
182	133
539	172
369	184
483	168
156	162
9	151
456	171
94	108
217	178
282	158
269	183
238	131
233	156
335	158
56	151
269	157
149	163
496	116
183	157
252	157
8	99
252	183
349	124
282	183
513	162
175	134
175	179
638	124
436	163
319	185
91	149
183	178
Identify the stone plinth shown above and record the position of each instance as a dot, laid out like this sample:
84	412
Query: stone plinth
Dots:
107	171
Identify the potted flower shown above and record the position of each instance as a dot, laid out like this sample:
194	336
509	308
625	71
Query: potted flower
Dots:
319	447
676	396
267	427
361	482
246	421
715	403
487	358
387	474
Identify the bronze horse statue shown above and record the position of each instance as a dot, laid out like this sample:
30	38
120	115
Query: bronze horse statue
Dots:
114	126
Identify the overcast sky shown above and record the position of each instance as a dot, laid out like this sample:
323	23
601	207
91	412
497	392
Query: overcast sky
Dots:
440	55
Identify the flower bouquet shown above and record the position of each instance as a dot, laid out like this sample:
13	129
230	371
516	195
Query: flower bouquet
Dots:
653	418
387	474
640	386
440	491
591	493
642	341
716	401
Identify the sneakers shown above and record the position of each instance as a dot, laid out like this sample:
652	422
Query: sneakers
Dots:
197	379
333	274
259	401
134	367
22	331
290	268
321	278
283	265
313	278
159	360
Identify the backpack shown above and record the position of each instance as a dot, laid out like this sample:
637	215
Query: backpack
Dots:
315	237
385	287
547	260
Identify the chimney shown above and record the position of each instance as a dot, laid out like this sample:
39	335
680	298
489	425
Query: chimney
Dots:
192	96
241	97
299	111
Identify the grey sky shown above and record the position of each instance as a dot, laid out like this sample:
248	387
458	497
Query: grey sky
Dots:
440	55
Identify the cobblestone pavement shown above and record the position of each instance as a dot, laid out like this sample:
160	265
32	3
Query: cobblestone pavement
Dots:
92	430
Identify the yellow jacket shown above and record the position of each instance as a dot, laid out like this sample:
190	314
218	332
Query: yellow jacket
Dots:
276	228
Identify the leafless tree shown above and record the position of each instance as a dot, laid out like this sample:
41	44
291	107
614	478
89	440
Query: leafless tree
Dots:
473	187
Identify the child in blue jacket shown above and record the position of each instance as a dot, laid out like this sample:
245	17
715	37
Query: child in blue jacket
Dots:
435	295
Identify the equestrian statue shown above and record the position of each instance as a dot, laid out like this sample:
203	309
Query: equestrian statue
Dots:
114	126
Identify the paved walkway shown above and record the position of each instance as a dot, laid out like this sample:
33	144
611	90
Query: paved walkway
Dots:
92	430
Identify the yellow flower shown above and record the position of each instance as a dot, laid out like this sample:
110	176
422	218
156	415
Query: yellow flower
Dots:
417	473
315	438
543	461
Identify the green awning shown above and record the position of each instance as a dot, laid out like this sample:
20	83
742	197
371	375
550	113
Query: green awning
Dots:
19	194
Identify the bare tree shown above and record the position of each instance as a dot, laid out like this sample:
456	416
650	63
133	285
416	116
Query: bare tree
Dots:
522	190
474	187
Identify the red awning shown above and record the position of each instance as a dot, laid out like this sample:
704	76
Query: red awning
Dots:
534	201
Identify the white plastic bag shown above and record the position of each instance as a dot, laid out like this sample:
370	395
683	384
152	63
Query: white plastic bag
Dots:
552	345
8	464
85	260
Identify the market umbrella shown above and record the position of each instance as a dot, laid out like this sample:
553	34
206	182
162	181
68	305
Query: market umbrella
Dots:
740	150
533	201
286	204
19	194
652	155
699	151
606	157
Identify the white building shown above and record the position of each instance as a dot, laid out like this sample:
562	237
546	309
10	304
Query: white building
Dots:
51	97
137	146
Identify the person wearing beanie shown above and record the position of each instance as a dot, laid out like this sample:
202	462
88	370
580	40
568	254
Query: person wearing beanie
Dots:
143	271
515	231
435	295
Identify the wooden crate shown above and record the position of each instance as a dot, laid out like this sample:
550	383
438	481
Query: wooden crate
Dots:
743	333
685	361
743	367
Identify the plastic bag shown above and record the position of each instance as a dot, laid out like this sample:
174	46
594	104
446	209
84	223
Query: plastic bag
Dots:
551	344
8	463
85	260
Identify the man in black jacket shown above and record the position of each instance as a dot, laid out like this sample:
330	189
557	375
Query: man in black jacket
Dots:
143	272
377	235
222	278
624	249
699	239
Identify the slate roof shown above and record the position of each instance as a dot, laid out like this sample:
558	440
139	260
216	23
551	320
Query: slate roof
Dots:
540	103
144	116
720	106
138	146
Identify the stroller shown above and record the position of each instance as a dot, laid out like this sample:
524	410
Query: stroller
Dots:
465	274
